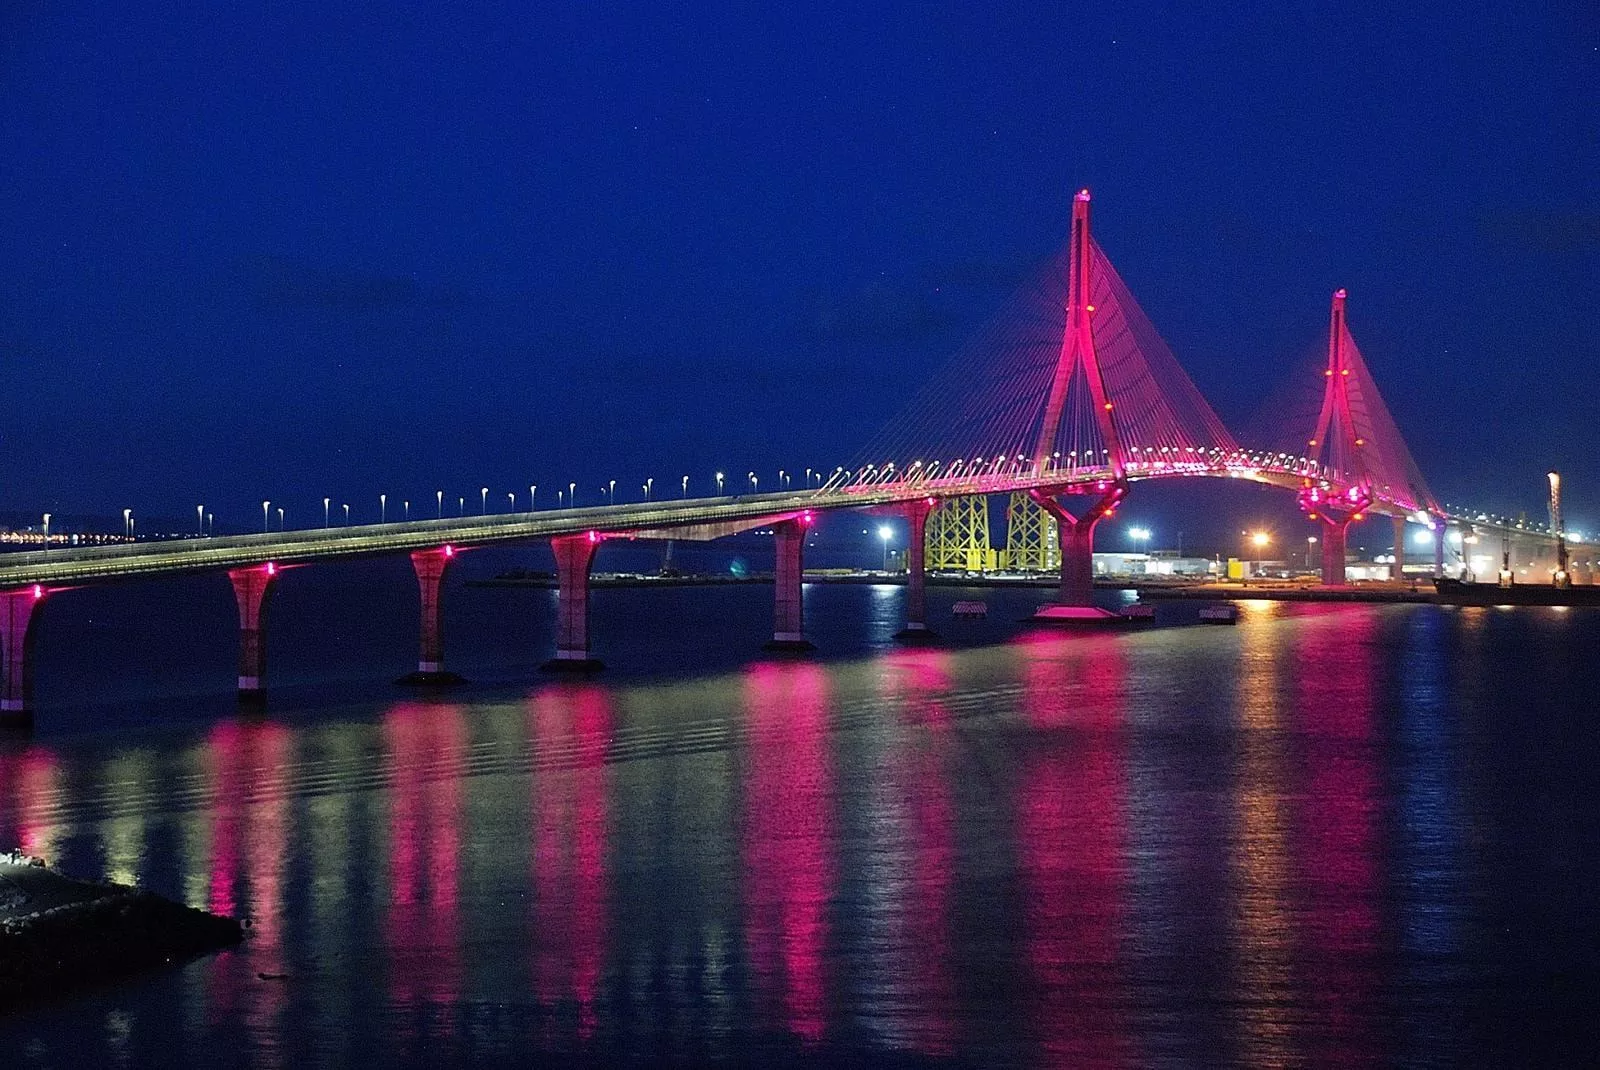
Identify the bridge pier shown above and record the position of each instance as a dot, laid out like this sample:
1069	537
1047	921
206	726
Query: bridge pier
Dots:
1438	548
788	603
916	629
16	654
1333	550
1075	538
1399	570
250	589
574	555
430	566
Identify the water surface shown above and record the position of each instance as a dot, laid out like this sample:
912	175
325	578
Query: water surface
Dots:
1334	834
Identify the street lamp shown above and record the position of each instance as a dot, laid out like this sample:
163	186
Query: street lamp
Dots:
572	494
406	507
649	485
200	520
483	508
127	522
512	498
1260	540
325	503
533	496
461	505
755	484
47	532
346	514
685	486
1138	535
783	480
383	508
439	502
885	533
265	506
719	484
280	518
1311	548
611	491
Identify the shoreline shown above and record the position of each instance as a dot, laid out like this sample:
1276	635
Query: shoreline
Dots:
1472	594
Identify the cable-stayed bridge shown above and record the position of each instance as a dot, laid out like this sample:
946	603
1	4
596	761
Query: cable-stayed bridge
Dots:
1064	403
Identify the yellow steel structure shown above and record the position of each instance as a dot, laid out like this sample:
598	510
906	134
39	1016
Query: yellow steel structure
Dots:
958	536
1031	544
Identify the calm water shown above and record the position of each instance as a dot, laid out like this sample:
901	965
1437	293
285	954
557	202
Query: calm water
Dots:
1340	834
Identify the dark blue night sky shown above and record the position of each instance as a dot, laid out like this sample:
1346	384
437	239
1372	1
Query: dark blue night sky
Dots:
344	249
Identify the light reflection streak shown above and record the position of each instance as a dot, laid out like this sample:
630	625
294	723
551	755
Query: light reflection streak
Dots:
1071	833
787	839
1336	828
570	880
927	850
1261	861
246	763
38	782
424	744
127	778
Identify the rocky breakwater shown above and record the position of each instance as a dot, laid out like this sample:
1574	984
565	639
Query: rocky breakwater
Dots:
58	935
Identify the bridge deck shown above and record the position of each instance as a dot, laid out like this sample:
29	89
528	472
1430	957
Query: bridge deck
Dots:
682	518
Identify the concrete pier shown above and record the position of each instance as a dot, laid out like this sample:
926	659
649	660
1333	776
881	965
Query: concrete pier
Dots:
574	556
916	629
250	589
1074	602
16	650
430	566
788	608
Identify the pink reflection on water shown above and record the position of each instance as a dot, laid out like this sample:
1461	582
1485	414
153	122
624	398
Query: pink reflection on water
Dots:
571	730
1336	831
425	747
34	776
246	765
919	678
1071	838
787	837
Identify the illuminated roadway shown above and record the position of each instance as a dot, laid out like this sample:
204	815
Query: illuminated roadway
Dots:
694	518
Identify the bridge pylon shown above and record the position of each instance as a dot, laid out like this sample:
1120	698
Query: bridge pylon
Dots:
1078	356
1356	462
1337	505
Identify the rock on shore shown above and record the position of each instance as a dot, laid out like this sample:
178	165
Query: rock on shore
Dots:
58	934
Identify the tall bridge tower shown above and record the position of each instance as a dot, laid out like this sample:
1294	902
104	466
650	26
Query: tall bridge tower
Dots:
1078	363
1343	500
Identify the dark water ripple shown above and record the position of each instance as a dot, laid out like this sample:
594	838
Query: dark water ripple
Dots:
1342	835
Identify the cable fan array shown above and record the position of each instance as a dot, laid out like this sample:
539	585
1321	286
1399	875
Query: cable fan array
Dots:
983	416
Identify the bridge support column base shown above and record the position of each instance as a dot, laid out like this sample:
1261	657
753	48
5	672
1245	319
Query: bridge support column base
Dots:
917	634
16	655
250	589
1075	537
574	555
916	629
1333	552
788	606
1075	616
430	566
789	642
